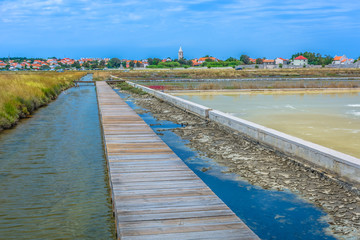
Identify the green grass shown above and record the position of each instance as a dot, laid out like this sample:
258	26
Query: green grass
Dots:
22	93
126	87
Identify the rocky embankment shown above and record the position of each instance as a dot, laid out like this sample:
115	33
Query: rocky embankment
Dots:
263	167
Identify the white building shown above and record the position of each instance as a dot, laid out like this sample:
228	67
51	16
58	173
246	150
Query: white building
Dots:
282	61
300	61
342	60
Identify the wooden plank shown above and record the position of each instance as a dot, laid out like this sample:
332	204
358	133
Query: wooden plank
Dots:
155	195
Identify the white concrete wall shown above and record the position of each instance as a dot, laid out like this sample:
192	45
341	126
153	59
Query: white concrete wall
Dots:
342	166
198	109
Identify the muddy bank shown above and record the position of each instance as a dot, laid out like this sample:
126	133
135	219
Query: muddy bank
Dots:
262	167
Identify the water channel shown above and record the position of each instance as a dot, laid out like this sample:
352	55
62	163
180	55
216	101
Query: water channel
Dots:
53	181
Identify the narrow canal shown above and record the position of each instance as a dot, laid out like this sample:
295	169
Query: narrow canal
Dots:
53	181
270	214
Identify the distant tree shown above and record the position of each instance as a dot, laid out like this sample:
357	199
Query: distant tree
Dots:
85	65
189	63
245	59
123	64
280	65
114	63
150	61
76	64
231	59
131	64
7	67
182	61
138	64
44	67
259	61
94	65
314	58
102	63
156	61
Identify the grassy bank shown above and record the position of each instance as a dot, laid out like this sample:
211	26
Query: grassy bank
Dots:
22	93
149	74
126	87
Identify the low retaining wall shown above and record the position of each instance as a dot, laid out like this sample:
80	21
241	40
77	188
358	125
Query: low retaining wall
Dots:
198	109
344	167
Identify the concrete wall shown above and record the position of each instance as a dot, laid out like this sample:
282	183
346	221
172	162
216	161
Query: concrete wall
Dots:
198	109
344	167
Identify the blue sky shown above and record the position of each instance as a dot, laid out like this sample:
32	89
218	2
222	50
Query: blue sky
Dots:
139	29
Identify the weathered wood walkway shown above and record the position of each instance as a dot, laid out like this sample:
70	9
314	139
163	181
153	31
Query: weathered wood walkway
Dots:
155	195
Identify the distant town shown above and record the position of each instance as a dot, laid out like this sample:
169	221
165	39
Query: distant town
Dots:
306	59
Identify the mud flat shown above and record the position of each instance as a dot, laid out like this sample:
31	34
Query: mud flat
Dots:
264	167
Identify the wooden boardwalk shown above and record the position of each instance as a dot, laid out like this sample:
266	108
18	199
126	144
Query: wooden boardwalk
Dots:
155	195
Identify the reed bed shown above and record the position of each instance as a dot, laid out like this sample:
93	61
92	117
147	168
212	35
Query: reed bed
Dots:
22	93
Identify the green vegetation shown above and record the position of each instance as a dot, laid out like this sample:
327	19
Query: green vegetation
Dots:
22	93
315	58
126	87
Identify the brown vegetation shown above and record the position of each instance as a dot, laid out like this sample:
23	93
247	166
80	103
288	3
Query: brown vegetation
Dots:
151	74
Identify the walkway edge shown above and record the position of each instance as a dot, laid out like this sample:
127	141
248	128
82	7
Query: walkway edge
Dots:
155	195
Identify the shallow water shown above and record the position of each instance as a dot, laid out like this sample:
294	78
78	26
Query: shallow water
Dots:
270	214
53	173
328	119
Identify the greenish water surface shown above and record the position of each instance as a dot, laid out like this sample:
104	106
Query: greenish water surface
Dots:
53	181
329	119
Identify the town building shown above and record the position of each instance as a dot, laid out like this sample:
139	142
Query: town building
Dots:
282	61
203	59
268	62
342	60
300	61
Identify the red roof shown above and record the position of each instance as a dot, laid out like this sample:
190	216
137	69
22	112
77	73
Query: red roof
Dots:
301	58
337	58
268	61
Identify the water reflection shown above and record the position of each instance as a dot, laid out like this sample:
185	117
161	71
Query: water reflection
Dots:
52	173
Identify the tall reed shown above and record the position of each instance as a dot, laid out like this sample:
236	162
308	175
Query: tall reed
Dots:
22	93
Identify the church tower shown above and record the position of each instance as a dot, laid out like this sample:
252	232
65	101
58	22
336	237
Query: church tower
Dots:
180	54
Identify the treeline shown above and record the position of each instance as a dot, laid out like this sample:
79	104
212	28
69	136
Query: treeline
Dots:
315	58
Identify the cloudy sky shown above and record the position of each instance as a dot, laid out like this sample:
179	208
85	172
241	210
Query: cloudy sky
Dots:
156	28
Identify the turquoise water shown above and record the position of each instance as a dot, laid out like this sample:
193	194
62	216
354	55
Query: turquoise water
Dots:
270	214
53	181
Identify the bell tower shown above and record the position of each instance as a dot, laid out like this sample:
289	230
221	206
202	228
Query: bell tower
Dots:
180	54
